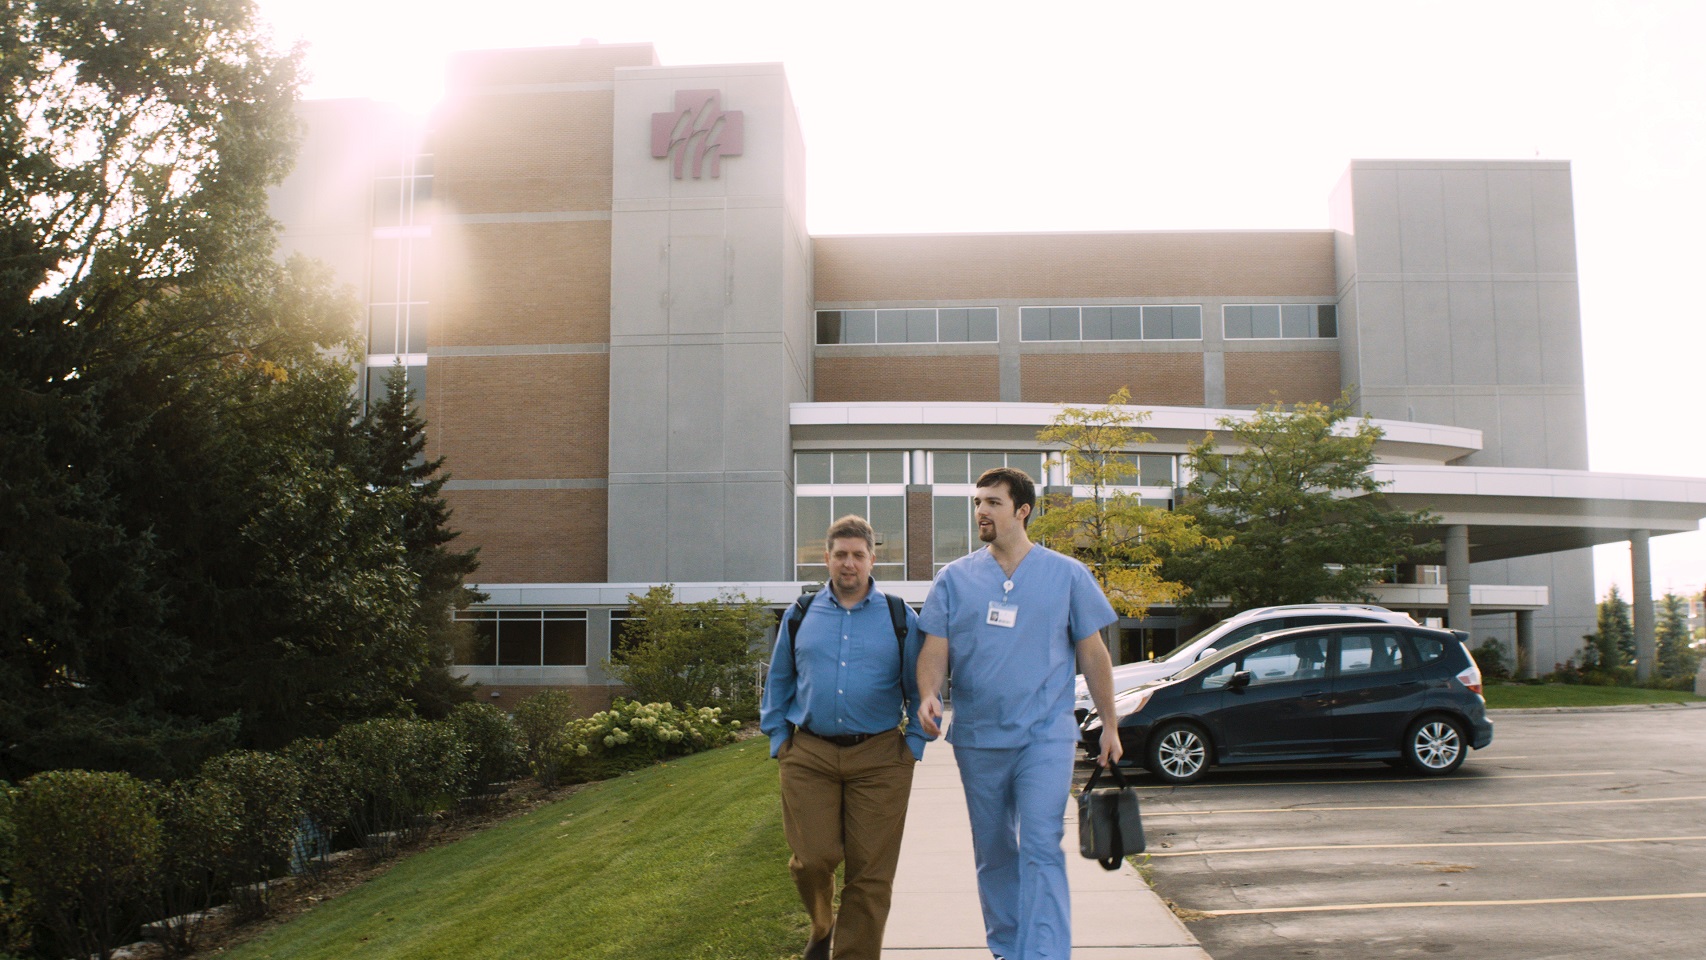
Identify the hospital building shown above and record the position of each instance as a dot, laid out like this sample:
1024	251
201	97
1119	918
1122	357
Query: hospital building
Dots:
641	368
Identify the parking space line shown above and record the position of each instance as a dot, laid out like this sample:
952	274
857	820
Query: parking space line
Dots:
1329	908
1408	846
1439	780
1418	806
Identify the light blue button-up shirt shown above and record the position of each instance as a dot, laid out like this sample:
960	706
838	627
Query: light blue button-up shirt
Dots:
1013	685
846	674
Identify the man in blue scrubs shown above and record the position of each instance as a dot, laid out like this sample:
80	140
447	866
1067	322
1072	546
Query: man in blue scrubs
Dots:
833	706
1011	621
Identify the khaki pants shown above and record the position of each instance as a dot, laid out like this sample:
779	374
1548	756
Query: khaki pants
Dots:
846	804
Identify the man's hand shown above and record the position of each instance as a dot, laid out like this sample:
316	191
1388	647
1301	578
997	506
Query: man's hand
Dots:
1112	749
930	715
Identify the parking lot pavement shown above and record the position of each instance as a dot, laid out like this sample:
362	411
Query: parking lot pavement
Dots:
1574	835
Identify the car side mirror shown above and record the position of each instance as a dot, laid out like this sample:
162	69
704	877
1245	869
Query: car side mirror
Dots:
1239	680
1207	653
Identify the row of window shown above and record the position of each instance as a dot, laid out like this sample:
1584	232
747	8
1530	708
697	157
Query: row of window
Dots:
1239	321
890	467
831	484
920	325
402	195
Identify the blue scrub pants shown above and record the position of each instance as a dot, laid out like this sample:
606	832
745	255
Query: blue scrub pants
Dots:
1017	801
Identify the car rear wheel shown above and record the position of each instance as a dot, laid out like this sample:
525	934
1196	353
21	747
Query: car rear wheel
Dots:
1435	746
1179	753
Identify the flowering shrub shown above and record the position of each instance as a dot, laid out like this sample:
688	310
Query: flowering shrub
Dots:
542	719
631	735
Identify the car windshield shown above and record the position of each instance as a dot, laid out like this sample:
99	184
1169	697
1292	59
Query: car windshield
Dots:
1183	653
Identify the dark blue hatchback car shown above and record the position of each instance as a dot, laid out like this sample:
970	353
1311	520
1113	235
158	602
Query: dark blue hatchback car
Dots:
1363	691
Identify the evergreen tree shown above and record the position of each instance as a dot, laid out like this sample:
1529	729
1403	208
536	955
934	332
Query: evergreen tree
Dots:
1615	640
1302	517
1676	656
191	554
395	438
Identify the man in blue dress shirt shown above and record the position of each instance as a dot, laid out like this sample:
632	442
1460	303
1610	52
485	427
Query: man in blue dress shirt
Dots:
1011	621
832	707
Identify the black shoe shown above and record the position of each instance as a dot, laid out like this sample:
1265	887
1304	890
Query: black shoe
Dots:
817	949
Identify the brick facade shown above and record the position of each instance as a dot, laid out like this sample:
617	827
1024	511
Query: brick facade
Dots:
523	152
533	417
920	533
986	267
521	283
1257	378
1162	379
533	536
918	379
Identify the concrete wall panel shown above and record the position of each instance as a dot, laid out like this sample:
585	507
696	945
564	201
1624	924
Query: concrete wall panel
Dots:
1468	240
1510	215
1471	338
1427	332
1421	228
1517	332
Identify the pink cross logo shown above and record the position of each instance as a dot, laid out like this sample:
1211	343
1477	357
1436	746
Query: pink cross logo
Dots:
701	127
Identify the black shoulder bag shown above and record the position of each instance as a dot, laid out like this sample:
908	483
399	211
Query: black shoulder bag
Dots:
1109	825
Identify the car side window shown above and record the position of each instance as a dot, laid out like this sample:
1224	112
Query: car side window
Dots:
1217	678
1429	648
1299	658
1367	653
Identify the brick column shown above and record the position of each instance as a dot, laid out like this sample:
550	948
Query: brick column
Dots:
920	532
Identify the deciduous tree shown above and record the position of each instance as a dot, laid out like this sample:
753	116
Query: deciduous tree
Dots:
1109	528
704	654
1292	493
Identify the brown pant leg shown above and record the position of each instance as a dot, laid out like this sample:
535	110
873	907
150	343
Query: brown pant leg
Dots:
877	781
811	820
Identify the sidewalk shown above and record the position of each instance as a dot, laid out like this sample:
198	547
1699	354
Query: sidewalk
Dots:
1115	916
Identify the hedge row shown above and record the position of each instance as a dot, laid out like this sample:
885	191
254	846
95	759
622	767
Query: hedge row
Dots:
87	858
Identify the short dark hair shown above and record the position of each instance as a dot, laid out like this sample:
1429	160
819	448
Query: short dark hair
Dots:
850	526
1018	484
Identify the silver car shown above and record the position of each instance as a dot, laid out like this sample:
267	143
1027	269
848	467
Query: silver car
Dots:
1227	632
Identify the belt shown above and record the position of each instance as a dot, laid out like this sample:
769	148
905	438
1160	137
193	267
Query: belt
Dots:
841	740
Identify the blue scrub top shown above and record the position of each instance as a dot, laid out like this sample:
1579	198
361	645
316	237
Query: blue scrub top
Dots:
1013	685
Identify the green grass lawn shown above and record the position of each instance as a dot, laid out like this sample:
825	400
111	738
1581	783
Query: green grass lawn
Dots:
1510	695
682	860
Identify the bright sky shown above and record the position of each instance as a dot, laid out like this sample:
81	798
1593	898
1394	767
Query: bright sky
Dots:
947	115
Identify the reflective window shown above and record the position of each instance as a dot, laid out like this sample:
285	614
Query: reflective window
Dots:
1371	653
525	638
1300	658
814	514
376	384
910	325
1280	321
1158	322
850	467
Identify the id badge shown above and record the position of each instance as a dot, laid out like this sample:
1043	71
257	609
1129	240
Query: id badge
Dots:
1002	614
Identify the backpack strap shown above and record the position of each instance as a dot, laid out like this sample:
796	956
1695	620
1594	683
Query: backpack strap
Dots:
797	616
897	614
